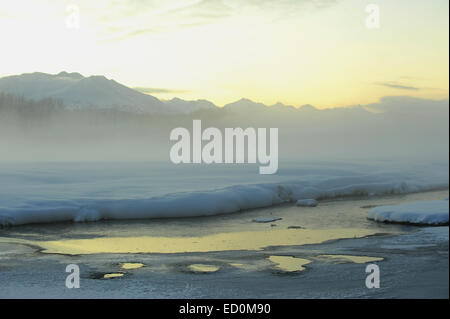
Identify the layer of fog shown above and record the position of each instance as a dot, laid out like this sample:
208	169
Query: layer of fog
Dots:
395	128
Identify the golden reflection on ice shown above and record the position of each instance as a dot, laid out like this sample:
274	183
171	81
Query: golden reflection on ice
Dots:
112	275
251	240
203	268
353	259
288	263
131	265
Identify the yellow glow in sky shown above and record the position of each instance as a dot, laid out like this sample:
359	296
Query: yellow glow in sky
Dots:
297	52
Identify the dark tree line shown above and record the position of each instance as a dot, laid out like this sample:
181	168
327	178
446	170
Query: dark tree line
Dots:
17	107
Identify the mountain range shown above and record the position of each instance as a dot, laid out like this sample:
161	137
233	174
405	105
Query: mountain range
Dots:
78	91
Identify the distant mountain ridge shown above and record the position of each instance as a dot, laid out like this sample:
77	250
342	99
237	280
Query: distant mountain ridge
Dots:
77	91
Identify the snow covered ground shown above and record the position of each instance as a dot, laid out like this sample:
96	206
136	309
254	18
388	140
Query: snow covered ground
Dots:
426	212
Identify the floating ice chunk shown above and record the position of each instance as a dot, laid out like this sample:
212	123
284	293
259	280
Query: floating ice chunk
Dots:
266	219
307	203
425	213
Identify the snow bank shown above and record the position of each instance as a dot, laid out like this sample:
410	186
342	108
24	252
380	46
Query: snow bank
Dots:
188	204
73	192
426	213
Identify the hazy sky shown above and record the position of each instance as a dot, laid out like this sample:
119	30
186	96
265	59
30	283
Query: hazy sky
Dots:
293	51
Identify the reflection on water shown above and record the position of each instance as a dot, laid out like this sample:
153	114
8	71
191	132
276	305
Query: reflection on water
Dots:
203	268
252	240
112	275
353	259
288	263
131	265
